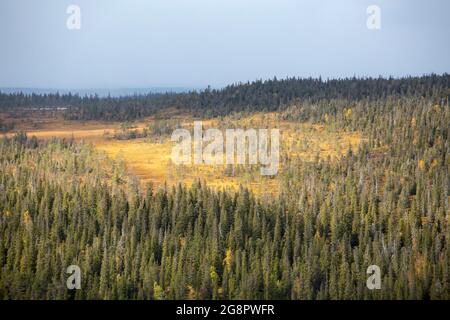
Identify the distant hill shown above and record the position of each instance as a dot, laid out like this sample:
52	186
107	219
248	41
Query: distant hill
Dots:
268	95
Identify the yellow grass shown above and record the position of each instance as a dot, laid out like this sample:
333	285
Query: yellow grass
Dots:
151	161
148	161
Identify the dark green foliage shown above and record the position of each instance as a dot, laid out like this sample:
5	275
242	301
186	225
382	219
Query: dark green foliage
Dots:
385	204
259	95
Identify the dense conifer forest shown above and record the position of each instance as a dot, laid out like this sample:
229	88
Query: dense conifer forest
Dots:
259	95
388	203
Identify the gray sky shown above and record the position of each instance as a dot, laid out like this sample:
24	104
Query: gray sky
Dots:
193	43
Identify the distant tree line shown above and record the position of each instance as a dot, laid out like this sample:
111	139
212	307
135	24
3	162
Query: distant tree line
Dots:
259	95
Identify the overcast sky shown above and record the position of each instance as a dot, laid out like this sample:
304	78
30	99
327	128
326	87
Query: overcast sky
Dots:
194	43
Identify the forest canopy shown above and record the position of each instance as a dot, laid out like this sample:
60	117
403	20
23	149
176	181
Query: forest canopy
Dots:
268	95
386	203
